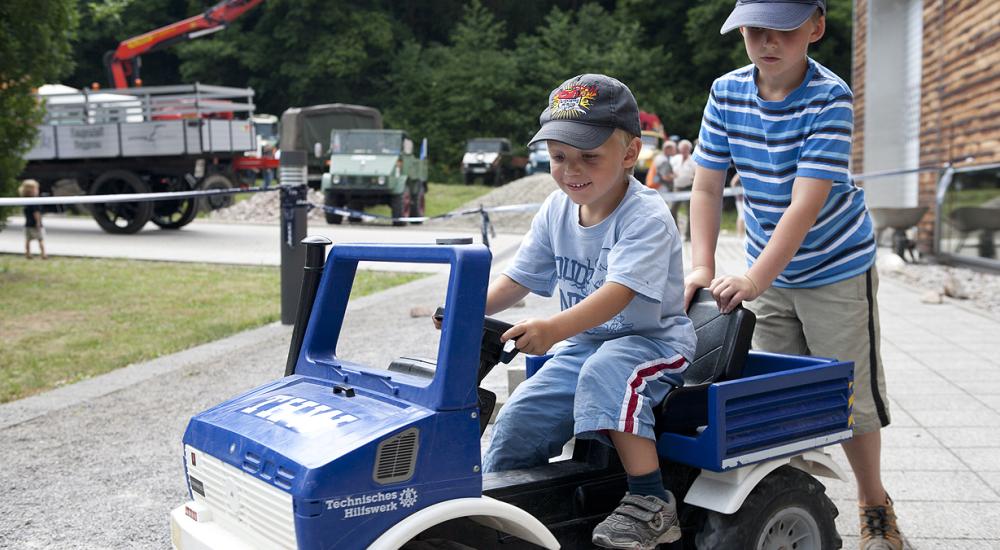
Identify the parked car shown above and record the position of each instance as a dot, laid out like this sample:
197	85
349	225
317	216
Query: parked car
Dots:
652	143
372	167
538	158
490	158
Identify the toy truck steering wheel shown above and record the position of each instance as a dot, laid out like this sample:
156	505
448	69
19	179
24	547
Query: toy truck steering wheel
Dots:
492	349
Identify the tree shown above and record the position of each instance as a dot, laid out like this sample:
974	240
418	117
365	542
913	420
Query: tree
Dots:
34	49
450	93
592	40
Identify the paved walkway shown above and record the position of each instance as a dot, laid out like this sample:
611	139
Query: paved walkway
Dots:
97	464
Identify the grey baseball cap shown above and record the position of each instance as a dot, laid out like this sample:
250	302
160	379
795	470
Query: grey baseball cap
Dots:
585	110
780	15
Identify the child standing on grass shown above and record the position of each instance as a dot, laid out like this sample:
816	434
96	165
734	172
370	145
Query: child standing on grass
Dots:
785	121
610	248
33	228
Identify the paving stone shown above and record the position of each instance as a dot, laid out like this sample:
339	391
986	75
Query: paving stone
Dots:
926	387
926	459
967	437
980	459
978	415
953	544
992	478
952	486
908	438
941	521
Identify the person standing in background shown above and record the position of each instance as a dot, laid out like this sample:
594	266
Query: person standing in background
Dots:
33	228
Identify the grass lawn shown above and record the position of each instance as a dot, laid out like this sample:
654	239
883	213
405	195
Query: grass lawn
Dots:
443	198
67	319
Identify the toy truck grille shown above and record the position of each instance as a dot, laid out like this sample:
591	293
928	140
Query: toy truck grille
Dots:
240	502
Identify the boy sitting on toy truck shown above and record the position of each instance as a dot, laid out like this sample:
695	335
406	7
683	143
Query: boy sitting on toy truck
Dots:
611	247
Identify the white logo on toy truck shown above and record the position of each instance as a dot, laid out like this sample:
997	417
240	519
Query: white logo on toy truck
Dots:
299	414
374	503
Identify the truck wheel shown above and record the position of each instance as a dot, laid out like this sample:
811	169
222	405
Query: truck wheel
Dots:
469	178
331	199
120	217
175	214
355	205
788	506
418	201
400	205
498	177
212	182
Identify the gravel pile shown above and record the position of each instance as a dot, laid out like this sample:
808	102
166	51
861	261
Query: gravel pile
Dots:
263	208
530	190
979	290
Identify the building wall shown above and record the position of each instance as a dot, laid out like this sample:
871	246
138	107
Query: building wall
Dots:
960	90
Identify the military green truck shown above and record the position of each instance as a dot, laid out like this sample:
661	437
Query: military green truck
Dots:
372	167
308	129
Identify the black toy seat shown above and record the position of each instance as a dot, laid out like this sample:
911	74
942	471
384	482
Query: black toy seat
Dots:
723	344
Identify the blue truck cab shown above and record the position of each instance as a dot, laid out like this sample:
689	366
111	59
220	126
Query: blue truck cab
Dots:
341	455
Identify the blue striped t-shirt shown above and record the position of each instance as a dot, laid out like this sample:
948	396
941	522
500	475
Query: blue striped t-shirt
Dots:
807	134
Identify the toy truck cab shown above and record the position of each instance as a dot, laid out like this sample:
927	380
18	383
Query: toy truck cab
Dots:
372	167
340	455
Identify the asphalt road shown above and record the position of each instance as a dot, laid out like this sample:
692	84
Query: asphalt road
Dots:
229	243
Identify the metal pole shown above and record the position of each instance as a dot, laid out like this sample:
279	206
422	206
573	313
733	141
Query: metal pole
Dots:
294	203
313	272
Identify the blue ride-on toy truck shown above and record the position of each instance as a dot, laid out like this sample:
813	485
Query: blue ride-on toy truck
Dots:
339	455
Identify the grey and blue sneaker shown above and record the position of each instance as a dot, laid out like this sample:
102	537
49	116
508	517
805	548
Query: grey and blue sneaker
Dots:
639	522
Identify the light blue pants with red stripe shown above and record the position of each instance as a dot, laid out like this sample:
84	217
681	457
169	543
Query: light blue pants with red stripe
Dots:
585	389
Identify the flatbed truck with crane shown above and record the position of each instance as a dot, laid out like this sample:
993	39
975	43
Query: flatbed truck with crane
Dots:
136	139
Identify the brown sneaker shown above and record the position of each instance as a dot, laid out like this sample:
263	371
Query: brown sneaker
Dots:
878	527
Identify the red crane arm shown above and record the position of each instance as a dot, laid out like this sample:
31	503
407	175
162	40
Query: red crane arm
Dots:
123	71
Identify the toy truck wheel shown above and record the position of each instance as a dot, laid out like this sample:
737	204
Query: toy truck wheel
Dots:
331	199
418	204
120	217
400	206
214	182
788	506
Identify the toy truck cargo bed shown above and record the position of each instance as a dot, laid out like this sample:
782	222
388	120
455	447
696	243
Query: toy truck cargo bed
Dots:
781	406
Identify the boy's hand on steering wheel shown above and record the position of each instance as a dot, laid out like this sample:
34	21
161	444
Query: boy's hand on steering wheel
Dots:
700	277
731	290
532	336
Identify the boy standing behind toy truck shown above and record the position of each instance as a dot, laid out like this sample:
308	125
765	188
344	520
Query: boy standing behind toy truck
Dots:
785	122
611	248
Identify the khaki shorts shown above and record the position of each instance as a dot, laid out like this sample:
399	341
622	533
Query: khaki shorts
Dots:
839	321
34	233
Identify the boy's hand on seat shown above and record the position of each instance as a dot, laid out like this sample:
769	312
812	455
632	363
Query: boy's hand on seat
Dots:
700	277
731	290
532	336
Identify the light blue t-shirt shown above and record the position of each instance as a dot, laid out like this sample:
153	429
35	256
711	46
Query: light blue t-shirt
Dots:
636	246
807	134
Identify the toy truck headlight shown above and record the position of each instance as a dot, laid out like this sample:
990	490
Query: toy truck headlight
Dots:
381	180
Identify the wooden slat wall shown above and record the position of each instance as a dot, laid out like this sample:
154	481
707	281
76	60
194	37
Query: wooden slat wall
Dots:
960	89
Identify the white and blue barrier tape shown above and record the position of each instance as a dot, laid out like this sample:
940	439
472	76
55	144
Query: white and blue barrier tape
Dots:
127	197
